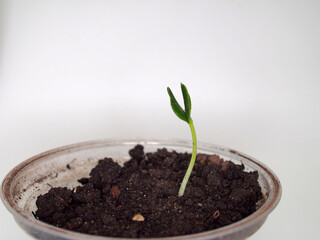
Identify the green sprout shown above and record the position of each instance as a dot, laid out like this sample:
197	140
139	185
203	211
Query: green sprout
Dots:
184	115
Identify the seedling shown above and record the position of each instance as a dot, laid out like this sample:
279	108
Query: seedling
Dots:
184	115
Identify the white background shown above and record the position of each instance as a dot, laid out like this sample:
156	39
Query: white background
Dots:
72	71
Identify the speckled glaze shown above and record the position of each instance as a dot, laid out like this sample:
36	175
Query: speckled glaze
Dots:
35	176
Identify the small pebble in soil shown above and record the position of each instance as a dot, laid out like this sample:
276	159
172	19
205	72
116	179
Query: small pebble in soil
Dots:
138	218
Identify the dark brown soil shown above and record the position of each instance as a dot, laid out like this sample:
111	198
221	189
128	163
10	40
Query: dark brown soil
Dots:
140	199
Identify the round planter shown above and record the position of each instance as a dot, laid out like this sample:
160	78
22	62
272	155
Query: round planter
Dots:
35	176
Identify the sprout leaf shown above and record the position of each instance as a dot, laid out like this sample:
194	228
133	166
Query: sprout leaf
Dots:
177	109
187	102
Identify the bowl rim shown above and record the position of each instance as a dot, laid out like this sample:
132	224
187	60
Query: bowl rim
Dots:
259	215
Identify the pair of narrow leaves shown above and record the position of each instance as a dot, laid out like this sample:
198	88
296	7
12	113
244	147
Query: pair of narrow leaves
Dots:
184	115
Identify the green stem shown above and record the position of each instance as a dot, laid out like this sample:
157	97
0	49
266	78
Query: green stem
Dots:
192	161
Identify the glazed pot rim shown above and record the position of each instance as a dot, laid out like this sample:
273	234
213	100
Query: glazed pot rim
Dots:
271	201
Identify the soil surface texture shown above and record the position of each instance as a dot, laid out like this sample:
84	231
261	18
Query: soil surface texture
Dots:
141	199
